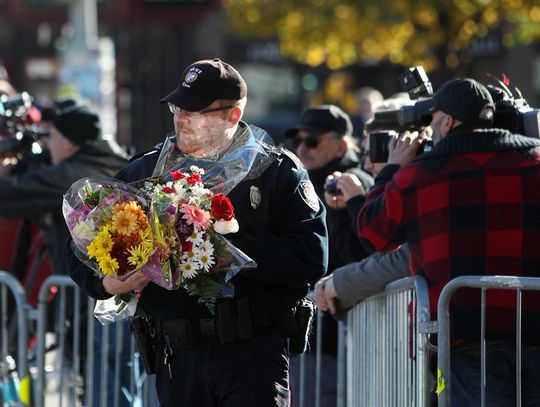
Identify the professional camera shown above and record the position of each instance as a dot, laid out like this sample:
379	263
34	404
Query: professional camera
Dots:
378	145
513	113
15	106
411	117
18	125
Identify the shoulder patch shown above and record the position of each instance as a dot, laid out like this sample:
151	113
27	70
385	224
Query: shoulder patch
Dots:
308	194
293	157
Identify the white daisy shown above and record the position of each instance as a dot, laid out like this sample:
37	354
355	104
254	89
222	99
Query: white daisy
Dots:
197	237
206	261
189	256
207	247
188	269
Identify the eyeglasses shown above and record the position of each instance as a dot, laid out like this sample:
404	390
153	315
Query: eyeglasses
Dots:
173	108
311	141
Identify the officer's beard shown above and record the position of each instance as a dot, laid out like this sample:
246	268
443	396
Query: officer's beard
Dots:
204	137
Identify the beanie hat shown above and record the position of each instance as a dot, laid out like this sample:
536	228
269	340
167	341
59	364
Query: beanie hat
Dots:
78	124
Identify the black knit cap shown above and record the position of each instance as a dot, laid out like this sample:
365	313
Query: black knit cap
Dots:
322	119
465	99
204	82
77	123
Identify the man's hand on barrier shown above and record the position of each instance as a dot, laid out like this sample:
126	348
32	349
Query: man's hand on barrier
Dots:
137	281
325	292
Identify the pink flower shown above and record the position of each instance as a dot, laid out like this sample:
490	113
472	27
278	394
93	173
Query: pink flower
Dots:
196	216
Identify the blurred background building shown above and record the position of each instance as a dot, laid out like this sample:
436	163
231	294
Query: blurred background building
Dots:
124	55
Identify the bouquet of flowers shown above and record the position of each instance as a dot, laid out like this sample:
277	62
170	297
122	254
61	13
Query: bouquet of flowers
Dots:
169	230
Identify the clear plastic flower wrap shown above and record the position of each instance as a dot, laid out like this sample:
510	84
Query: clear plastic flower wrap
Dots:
170	226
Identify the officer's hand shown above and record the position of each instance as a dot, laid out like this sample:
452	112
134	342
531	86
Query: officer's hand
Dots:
402	150
325	292
137	281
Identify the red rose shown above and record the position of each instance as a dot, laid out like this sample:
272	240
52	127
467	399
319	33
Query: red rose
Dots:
194	178
222	207
168	190
177	175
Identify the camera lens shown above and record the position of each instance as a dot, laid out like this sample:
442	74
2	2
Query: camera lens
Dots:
378	145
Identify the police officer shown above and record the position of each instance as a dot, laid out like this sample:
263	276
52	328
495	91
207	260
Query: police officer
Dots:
240	356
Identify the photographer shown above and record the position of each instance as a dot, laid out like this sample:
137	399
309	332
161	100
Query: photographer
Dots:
323	142
356	281
76	150
468	207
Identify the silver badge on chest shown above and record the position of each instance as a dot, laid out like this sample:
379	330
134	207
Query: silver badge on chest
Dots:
255	196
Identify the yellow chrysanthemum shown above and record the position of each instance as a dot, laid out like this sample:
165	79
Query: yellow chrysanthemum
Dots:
101	245
124	222
108	265
139	255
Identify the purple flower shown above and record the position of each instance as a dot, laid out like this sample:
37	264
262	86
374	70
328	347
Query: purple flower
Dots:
171	209
183	228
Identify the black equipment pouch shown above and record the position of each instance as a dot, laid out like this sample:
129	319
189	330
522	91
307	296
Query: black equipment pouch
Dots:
237	326
140	329
182	333
305	312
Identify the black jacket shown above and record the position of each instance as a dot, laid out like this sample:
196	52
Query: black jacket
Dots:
37	195
344	244
285	234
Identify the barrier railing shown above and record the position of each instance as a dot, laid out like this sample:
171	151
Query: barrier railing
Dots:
65	350
518	284
387	347
11	289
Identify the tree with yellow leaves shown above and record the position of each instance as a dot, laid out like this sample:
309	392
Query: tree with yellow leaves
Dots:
432	33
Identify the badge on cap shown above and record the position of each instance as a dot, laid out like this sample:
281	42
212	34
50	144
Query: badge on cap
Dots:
308	194
255	196
191	77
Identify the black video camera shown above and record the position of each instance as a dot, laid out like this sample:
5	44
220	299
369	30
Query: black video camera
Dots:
511	113
15	106
385	125
409	117
378	145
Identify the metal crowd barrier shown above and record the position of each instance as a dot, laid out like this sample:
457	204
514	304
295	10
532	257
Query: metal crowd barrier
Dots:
59	357
518	284
387	347
13	312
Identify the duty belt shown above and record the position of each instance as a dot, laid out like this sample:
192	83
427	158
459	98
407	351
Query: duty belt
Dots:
228	326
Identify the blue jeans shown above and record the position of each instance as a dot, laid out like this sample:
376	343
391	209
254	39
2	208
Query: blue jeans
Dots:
500	376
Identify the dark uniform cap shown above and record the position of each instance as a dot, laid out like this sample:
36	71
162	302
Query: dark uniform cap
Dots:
204	82
465	99
322	119
78	124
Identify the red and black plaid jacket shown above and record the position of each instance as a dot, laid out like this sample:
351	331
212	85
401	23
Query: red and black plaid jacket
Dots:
469	207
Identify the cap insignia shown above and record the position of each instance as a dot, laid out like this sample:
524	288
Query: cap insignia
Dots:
191	77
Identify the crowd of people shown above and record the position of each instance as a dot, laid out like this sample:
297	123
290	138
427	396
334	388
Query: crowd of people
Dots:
318	215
